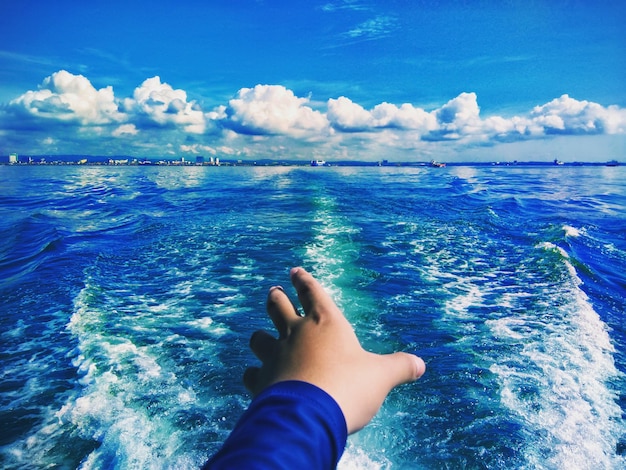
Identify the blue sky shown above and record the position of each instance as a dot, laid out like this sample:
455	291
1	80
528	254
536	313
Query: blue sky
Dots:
335	79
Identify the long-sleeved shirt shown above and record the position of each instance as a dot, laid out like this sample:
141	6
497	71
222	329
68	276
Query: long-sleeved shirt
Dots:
290	425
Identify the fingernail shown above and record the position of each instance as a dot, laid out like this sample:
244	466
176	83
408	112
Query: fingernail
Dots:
277	287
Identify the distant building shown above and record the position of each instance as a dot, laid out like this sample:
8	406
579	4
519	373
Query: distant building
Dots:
13	158
199	160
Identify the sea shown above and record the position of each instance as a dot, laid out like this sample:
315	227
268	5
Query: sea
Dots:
128	295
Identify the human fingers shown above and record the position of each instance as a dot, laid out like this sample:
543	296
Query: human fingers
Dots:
251	379
263	345
310	293
281	310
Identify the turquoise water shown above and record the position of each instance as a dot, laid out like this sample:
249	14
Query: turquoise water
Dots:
128	294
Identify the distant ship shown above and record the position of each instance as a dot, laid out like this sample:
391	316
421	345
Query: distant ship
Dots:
318	163
435	164
612	163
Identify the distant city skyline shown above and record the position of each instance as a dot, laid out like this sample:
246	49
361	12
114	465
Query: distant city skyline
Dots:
333	80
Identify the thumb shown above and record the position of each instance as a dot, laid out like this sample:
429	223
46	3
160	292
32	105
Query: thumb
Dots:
403	368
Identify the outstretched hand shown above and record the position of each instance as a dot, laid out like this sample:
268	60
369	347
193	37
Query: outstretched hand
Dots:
321	348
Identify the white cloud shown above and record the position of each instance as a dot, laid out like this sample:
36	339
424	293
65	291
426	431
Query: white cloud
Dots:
270	119
217	114
405	117
158	103
198	149
373	28
351	5
69	98
569	116
459	120
347	116
272	109
459	117
125	129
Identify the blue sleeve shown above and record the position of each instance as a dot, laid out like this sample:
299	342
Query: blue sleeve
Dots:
290	425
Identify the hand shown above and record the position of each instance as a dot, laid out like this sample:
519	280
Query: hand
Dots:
321	348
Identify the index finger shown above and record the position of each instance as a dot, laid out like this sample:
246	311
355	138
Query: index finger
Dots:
313	298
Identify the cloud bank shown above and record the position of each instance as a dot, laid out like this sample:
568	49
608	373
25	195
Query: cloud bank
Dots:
268	120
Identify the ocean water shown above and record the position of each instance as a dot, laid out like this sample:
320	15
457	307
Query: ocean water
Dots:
128	294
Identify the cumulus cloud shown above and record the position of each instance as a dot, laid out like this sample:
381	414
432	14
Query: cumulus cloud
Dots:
347	116
272	109
157	103
566	115
463	108
404	117
272	118
69	98
459	120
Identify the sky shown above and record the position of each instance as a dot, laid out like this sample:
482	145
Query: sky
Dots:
332	79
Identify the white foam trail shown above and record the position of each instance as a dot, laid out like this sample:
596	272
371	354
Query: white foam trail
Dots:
467	173
133	402
554	360
558	383
331	256
331	251
355	458
114	369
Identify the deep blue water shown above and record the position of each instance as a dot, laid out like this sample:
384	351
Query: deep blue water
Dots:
128	294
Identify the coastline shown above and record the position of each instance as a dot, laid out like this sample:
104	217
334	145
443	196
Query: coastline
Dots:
63	160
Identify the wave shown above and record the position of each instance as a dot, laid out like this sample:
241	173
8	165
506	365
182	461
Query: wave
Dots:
558	379
134	292
26	245
520	366
139	376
